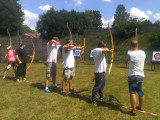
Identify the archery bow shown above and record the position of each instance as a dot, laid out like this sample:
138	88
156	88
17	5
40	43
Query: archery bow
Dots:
9	37
69	31
34	50
112	56
19	36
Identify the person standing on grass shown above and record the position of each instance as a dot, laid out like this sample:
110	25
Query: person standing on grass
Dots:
100	70
11	61
52	51
136	59
21	56
68	66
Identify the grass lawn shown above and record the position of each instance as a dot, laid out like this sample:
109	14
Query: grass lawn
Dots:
28	101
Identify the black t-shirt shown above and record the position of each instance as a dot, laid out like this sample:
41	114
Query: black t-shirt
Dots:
22	54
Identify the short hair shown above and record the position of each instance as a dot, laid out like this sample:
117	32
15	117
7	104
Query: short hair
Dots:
69	40
101	44
134	43
55	38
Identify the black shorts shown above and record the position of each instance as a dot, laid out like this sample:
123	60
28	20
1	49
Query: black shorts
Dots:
135	79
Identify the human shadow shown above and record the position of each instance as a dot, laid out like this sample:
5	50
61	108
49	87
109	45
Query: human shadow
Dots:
12	78
85	98
111	98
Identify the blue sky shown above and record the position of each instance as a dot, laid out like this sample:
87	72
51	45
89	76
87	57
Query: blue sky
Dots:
148	9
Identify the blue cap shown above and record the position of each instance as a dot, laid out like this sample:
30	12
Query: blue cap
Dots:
21	44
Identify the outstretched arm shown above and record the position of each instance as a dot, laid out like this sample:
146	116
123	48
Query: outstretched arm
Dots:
106	50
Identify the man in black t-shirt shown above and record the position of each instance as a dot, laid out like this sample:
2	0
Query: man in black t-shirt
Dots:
21	56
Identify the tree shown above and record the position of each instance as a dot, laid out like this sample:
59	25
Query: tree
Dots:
11	16
54	23
95	18
157	22
121	14
26	29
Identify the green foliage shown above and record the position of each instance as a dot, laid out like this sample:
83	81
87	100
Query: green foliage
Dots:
121	15
55	22
26	29
154	40
11	16
157	22
124	26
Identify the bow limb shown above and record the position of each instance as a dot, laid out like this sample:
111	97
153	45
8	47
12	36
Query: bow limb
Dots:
69	31
19	36
84	45
34	52
136	34
112	56
9	37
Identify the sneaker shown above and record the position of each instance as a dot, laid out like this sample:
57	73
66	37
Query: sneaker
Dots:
17	80
24	79
64	94
132	113
138	108
72	91
104	98
56	86
95	104
4	78
47	90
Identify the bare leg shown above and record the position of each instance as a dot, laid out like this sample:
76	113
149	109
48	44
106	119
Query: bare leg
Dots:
70	83
141	99
133	102
47	81
5	73
63	85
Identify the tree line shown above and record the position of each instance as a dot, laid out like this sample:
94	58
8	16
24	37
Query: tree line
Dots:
55	22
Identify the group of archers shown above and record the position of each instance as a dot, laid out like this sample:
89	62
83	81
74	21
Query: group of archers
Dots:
135	58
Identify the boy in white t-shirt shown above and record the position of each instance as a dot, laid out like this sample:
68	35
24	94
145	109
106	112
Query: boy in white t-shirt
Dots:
136	59
68	66
52	51
100	70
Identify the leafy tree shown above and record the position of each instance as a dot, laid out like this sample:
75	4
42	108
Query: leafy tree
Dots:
121	14
11	16
157	22
54	23
26	29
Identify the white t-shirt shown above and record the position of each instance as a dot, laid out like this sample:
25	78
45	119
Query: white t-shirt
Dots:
52	52
100	60
136	64
68	57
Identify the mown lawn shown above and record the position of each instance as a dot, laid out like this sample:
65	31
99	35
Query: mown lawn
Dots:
28	101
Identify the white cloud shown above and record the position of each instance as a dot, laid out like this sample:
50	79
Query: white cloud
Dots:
137	13
67	3
149	12
26	22
30	16
107	0
32	28
45	7
105	22
156	16
78	2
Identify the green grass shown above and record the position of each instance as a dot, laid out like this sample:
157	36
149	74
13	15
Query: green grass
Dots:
28	101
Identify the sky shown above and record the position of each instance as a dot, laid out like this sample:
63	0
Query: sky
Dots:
147	9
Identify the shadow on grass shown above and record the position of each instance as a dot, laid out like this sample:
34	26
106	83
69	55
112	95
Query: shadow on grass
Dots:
12	78
88	100
110	106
